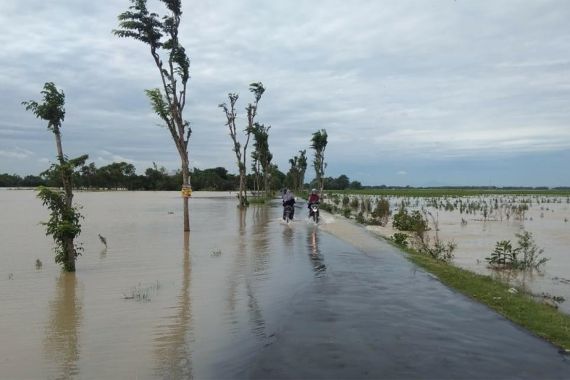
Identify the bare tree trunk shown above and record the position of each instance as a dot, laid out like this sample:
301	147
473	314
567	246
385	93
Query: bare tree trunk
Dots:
242	189
70	254
186	185
244	177
266	183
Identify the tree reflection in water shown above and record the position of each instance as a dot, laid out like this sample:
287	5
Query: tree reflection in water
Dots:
173	351
245	271
61	343
315	255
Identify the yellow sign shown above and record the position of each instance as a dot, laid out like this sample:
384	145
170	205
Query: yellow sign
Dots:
186	192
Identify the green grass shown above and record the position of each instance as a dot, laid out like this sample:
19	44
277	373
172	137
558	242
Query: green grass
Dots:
257	200
450	192
521	308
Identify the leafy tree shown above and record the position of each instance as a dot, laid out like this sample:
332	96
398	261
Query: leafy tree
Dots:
88	174
256	170
302	168
296	174
117	175
10	180
277	178
292	178
319	144
241	151
262	153
161	36
64	223
356	185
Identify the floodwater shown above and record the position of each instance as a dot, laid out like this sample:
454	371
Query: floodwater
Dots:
547	218
243	295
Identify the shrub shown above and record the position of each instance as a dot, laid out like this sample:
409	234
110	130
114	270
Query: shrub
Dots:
354	203
326	207
442	251
400	239
530	251
365	205
413	222
382	211
525	256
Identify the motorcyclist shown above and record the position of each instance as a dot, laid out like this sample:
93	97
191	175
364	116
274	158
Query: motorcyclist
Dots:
313	199
288	199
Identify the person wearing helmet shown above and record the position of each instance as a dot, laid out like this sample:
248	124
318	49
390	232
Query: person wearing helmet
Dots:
288	199
313	198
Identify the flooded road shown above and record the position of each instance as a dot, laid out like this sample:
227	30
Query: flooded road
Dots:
241	296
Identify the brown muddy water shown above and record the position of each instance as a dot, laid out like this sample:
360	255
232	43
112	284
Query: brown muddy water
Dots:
154	303
243	295
547	218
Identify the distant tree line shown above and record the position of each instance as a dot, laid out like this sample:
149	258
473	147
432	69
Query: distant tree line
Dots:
122	175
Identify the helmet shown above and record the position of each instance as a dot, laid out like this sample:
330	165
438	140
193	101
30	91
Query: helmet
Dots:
314	191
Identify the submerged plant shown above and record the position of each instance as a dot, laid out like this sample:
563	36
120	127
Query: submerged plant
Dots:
525	256
142	292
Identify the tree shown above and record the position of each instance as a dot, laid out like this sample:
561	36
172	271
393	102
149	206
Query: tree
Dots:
161	35
241	151
63	225
319	144
256	170
356	185
342	182
117	175
296	174
262	153
302	168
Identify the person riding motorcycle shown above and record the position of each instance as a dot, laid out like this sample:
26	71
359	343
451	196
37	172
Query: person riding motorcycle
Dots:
313	199
288	199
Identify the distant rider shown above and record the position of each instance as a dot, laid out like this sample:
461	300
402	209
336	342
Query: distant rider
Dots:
288	200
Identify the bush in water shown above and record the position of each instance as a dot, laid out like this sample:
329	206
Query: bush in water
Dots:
525	256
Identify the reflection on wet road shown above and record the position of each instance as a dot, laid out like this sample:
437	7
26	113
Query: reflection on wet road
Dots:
244	295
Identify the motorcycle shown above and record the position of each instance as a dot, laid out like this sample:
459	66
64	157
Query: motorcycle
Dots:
314	212
288	213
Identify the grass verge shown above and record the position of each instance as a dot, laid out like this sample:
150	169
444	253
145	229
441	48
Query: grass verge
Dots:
521	308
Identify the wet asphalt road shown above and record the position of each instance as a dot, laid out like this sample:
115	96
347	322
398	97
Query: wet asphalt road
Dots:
371	314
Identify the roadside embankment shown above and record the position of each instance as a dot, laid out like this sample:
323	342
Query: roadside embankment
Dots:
515	305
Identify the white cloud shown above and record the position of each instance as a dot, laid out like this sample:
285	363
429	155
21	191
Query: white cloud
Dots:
16	153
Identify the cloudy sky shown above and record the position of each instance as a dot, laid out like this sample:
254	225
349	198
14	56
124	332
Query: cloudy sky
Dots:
411	92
